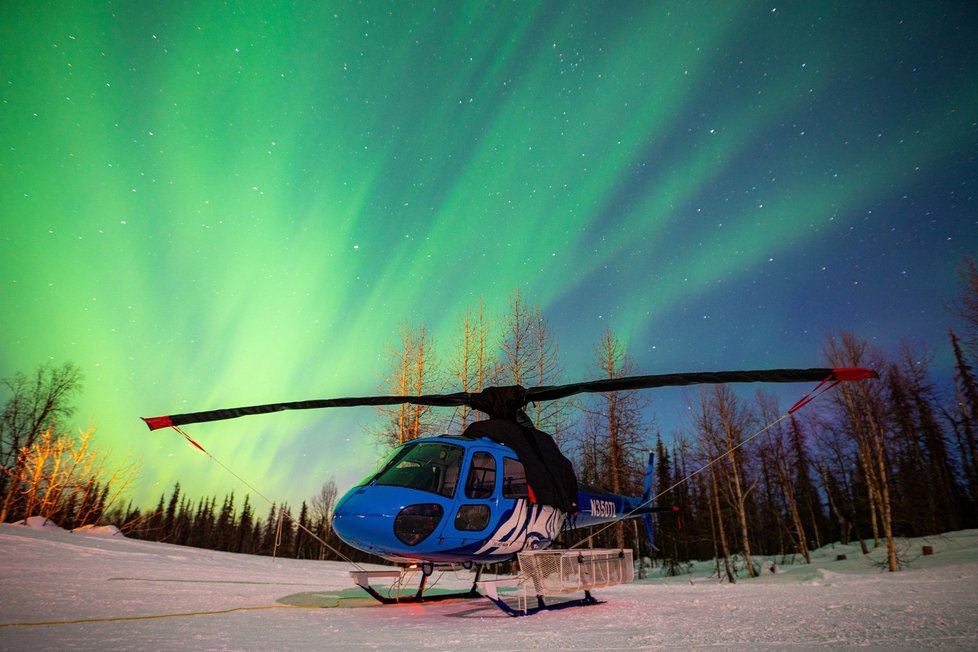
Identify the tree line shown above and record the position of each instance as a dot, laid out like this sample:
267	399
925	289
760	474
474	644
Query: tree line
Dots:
877	460
221	525
885	459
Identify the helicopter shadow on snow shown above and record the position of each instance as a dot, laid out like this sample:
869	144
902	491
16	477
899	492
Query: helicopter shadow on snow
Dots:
354	598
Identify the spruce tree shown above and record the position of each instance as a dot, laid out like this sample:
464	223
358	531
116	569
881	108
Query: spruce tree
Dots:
171	512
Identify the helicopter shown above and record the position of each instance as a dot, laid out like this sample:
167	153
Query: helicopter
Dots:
499	488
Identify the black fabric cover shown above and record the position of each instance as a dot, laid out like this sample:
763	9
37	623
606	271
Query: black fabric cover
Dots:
550	475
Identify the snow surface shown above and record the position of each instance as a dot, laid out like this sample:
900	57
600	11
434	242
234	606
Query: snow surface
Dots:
94	589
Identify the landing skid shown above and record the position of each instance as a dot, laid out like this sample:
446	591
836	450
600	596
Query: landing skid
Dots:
544	572
522	609
396	588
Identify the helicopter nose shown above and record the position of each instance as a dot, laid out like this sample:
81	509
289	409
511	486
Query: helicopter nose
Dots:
385	520
361	522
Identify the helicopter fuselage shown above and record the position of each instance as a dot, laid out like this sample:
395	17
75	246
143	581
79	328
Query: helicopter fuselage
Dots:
460	499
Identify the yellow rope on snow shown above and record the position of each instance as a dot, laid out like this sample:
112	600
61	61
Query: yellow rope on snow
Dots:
178	615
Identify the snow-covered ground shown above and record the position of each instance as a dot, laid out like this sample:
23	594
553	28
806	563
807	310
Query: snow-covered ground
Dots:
96	590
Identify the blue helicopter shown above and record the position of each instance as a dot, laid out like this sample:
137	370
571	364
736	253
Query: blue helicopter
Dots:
499	488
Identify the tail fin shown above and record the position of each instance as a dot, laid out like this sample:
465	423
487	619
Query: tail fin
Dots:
646	499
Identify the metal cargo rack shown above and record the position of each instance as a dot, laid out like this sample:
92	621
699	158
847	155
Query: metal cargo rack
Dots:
557	572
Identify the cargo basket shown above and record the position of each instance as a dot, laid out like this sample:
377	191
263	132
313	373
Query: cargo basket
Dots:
551	572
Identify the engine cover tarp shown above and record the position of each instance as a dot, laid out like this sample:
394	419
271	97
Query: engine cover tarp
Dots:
550	475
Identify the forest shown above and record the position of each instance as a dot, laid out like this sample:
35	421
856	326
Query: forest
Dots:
877	460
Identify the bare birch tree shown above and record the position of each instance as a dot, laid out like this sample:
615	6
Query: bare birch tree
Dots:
720	547
321	509
779	460
615	430
862	407
722	421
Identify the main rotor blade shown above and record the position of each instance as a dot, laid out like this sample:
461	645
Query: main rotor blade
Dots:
438	400
506	401
553	392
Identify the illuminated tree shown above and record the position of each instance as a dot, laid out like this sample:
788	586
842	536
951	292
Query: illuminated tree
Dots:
516	342
529	357
413	371
36	404
471	363
56	470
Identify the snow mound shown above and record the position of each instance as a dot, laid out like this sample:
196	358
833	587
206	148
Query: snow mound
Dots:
40	523
98	531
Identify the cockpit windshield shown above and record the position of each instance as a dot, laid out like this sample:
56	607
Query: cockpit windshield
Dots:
428	466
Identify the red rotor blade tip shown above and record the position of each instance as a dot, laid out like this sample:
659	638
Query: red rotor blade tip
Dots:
155	423
854	373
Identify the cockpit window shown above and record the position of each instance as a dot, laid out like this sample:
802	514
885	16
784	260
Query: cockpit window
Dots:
514	479
430	467
482	476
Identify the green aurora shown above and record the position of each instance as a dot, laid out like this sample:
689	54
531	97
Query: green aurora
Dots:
216	204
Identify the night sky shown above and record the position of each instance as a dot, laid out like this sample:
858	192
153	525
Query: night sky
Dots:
212	204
